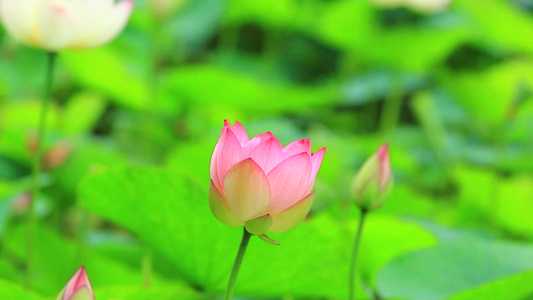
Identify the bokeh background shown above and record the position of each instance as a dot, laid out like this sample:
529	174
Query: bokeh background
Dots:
134	123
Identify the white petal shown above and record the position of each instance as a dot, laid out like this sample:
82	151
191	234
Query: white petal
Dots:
18	18
56	26
113	21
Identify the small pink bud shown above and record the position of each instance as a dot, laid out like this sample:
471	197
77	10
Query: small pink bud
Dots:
78	287
258	183
374	181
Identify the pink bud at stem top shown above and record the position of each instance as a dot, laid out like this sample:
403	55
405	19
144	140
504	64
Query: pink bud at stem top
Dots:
78	287
373	181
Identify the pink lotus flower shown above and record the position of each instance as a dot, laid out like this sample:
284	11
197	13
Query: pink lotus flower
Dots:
258	183
78	287
374	181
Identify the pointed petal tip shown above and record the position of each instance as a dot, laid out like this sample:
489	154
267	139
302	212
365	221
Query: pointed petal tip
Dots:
383	149
320	151
78	283
126	5
383	152
267	239
131	3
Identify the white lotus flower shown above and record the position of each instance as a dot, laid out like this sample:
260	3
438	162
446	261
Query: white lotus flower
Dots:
56	25
426	6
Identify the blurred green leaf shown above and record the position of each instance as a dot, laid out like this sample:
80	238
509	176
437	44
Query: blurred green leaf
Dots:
174	291
92	157
514	204
214	89
377	85
512	287
517	23
105	71
81	113
9	290
57	259
8	272
23	115
278	14
477	190
198	21
189	156
500	84
355	27
385	239
457	267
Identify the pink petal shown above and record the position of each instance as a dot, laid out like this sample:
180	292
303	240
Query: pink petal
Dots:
316	161
384	165
289	181
247	190
214	157
297	147
78	281
255	141
228	154
239	132
267	154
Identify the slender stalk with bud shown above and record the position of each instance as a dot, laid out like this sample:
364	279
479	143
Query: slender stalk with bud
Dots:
371	187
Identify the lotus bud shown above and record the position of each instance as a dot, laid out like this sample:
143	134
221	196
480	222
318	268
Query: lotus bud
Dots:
78	287
259	184
374	181
55	25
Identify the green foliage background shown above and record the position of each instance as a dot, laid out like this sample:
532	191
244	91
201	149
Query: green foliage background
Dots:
451	92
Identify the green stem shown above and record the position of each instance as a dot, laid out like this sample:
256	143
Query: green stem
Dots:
36	172
83	228
391	108
355	251
147	267
237	265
